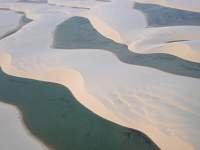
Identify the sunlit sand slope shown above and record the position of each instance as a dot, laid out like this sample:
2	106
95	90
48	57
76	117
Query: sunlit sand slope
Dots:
7	26
13	135
161	104
140	26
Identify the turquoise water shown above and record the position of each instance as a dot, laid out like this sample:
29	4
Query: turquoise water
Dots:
55	117
78	33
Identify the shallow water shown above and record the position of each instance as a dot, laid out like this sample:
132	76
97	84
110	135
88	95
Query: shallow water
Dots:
55	117
159	16
78	33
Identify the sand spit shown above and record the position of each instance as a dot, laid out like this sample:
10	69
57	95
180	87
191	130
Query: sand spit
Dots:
164	106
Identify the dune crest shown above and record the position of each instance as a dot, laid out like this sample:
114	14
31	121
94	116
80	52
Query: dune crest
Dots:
162	105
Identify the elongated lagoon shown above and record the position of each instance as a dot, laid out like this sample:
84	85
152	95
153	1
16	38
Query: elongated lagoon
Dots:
55	117
78	33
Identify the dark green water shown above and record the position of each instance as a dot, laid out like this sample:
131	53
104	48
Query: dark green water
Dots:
55	117
78	33
159	16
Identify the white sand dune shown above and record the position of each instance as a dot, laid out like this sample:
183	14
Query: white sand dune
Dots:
179	41
9	25
12	132
191	5
87	4
164	106
130	28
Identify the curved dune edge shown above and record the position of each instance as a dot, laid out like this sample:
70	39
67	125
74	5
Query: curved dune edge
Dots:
20	20
133	35
73	79
69	78
191	5
180	49
105	29
176	49
16	125
12	28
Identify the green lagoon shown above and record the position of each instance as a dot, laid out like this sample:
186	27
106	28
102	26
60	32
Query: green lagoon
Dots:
78	33
55	117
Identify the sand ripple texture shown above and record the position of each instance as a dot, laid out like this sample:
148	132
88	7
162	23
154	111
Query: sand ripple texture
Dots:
163	105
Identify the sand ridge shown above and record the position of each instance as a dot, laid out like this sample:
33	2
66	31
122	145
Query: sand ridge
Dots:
99	86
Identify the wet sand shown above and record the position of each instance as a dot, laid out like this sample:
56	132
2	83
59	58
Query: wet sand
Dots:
55	117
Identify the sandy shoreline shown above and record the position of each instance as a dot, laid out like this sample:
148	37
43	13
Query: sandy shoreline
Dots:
57	119
103	80
13	132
